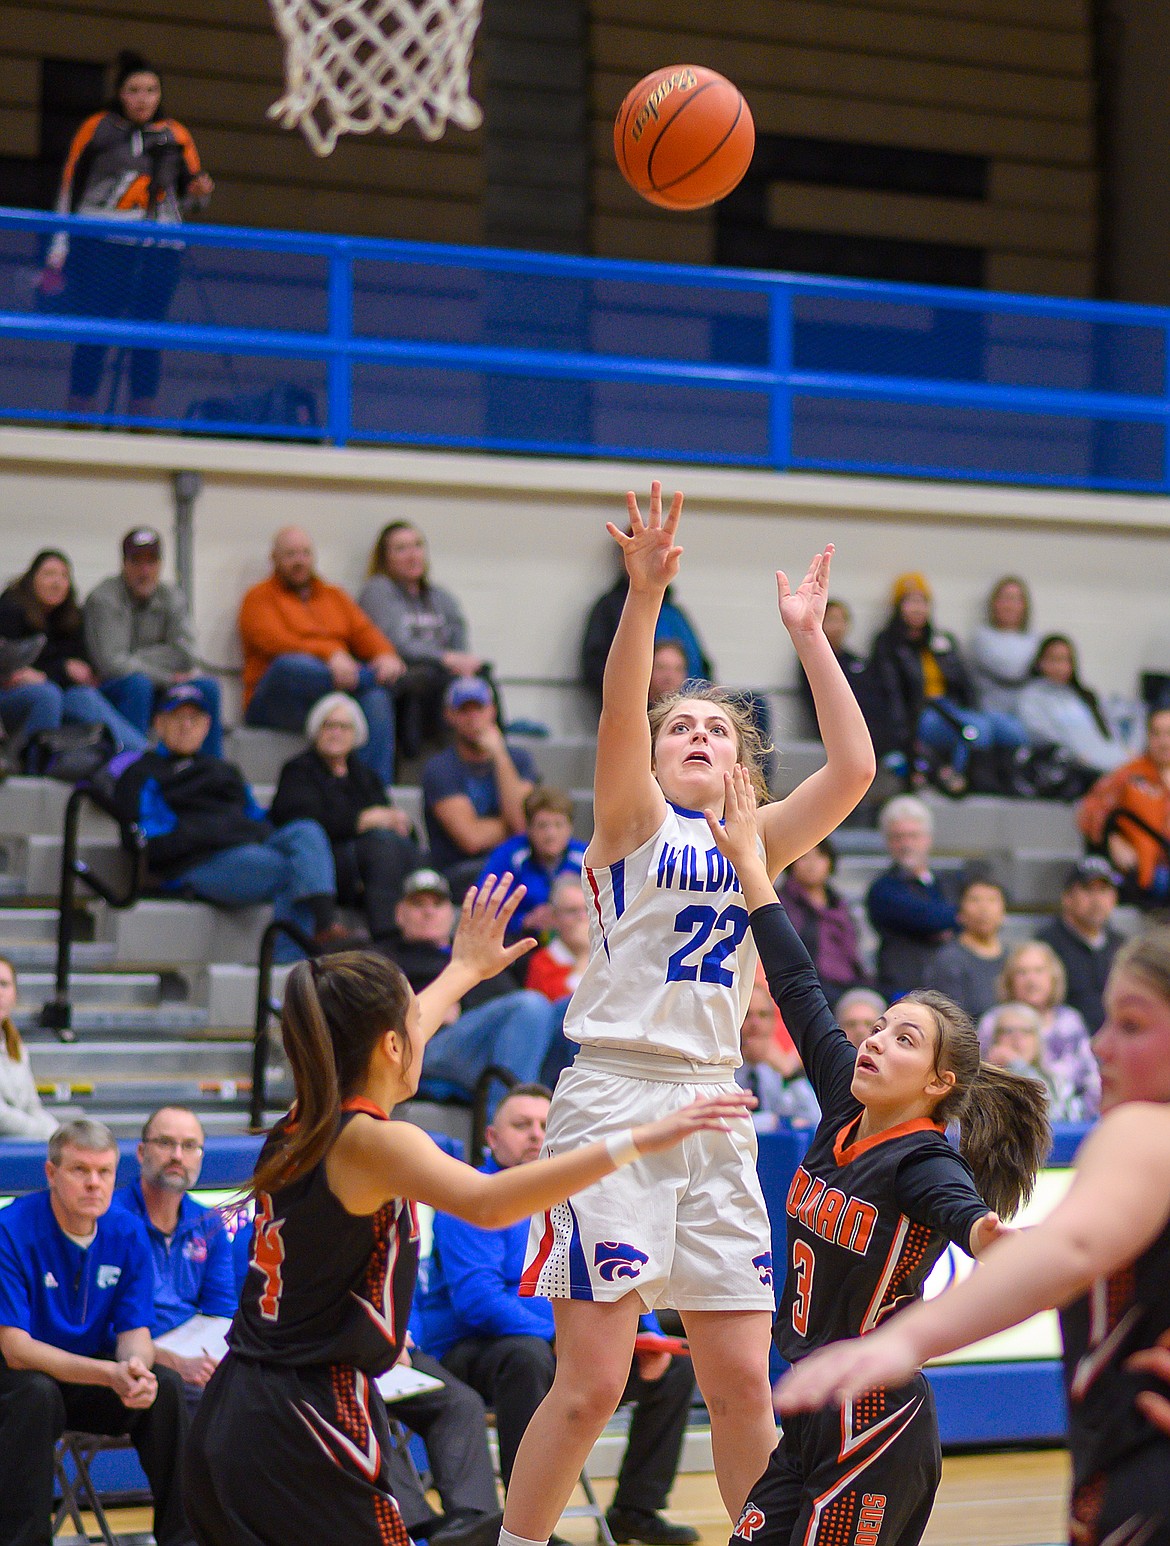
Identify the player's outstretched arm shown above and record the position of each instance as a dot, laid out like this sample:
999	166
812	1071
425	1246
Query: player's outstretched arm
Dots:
737	837
394	1159
1116	1206
627	803
792	826
477	951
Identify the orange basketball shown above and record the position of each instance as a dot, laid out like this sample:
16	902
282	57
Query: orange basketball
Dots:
684	137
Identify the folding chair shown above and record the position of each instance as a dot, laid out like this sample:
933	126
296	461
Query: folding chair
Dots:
76	1484
590	1509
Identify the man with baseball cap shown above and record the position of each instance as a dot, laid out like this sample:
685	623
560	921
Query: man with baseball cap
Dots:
207	837
474	790
140	639
1083	936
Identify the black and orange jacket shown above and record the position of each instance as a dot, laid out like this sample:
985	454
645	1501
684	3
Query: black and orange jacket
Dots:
131	172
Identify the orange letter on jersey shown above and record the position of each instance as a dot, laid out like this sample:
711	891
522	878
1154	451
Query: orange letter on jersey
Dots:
268	1256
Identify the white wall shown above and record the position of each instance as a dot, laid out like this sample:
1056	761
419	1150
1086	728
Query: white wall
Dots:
522	542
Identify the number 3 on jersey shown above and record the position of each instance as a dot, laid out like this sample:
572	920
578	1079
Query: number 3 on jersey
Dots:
803	1262
700	923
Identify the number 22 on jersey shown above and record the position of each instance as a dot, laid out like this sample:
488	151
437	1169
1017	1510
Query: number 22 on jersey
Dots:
711	937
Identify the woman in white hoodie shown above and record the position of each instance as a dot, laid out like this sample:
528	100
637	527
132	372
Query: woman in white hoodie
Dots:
21	1112
1058	709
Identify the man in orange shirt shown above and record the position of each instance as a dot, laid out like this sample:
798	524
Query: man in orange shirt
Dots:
302	639
1140	789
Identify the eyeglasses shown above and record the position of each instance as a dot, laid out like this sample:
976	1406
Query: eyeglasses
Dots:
187	1147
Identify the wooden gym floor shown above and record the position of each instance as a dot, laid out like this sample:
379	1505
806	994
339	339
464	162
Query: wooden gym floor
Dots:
1010	1499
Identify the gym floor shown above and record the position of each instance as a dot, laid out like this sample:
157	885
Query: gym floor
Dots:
1005	1499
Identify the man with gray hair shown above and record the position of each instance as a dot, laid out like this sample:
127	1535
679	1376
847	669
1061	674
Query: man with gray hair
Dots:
910	907
75	1311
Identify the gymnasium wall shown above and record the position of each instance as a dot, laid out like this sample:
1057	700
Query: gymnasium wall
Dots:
907	138
522	542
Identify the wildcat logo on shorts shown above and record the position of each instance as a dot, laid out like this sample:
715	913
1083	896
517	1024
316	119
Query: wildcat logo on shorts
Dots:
615	1259
763	1265
751	1520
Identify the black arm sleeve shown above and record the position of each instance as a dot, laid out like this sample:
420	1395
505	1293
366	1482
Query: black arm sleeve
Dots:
935	1187
826	1052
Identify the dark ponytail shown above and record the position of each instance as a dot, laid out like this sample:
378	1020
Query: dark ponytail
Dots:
335	1012
1004	1134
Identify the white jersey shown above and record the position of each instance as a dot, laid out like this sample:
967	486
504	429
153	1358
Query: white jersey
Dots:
673	959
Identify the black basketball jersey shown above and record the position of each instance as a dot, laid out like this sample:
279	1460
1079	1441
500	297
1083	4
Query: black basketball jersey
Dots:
325	1286
867	1219
1118	1317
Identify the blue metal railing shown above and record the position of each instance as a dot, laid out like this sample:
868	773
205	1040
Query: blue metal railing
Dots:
355	340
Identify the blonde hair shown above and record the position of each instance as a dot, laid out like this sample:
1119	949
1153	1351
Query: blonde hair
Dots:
751	749
1052	961
13	1045
1146	956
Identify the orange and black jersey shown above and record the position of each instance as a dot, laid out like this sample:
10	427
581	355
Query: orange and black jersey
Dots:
325	1286
867	1219
1119	1316
120	169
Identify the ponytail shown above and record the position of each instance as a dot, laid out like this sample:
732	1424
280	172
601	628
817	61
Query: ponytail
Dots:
1004	1134
334	1014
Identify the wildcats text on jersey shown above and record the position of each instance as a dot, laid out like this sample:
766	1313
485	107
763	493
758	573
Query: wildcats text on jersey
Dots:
846	1221
694	869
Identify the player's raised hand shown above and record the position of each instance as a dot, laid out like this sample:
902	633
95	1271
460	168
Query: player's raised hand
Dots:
479	940
648	551
835	1374
736	835
802	611
986	1231
715	1113
1155	1408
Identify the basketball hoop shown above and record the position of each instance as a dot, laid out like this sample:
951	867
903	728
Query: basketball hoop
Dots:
352	66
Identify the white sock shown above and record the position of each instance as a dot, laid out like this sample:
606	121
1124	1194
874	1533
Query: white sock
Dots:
508	1539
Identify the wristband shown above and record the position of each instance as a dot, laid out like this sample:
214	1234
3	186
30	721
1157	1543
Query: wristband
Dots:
622	1149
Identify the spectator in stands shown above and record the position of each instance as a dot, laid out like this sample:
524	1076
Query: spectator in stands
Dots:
1083	936
1057	709
838	621
373	847
779	1084
1015	1043
673	625
189	1244
668	670
425	624
1033	975
856	1012
1004	647
474	790
304	638
922	697
502	1345
21	1113
497	1024
556	968
63	685
1126	814
207	837
909	906
535	857
139	638
821	916
75	1312
129	163
967	968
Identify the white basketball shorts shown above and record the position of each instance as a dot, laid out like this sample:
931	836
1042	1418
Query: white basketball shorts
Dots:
686	1228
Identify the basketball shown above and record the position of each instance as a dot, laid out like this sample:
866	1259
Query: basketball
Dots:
684	137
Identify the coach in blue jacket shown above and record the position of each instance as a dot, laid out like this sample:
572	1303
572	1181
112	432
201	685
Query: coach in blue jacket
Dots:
75	1312
474	1321
189	1245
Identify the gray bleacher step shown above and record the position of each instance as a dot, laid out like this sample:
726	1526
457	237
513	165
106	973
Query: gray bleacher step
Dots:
795	761
29	957
57	1062
32	805
93	988
566	761
181	933
27	924
133	1020
39	864
260	754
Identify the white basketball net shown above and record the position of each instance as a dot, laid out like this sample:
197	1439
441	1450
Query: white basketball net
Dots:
352	66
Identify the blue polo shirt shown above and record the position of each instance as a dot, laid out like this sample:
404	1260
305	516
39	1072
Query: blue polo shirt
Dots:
192	1269
78	1300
